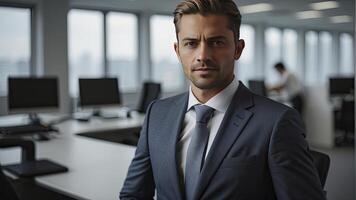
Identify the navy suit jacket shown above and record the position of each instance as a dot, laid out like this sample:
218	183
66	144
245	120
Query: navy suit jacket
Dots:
258	153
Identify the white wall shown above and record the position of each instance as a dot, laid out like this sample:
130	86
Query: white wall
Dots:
318	117
53	18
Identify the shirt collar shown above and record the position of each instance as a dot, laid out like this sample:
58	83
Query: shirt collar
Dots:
220	102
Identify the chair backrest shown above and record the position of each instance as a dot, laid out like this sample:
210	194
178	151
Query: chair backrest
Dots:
150	91
347	118
257	87
322	164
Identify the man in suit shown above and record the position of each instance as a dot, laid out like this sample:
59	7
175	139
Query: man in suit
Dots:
219	140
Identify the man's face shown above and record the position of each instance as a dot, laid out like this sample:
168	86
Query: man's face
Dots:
207	50
280	71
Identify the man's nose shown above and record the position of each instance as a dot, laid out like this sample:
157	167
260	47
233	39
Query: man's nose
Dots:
203	53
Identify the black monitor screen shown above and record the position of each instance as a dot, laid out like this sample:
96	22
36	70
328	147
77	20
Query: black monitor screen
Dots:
341	85
28	93
257	87
99	91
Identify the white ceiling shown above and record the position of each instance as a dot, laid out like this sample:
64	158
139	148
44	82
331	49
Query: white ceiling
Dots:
283	14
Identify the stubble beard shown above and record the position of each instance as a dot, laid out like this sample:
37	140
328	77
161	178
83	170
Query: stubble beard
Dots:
213	81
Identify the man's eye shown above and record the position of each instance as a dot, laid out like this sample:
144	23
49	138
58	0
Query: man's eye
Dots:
217	43
190	44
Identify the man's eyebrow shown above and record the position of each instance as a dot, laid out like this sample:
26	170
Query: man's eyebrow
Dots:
189	39
217	37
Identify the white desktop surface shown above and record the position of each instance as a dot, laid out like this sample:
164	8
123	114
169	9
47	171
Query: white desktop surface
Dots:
97	168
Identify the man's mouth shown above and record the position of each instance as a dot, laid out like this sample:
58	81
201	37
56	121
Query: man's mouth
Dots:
205	69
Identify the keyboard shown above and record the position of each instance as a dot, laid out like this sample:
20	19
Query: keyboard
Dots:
24	129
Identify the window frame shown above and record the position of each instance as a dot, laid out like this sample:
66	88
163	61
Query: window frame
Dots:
239	64
184	84
339	69
104	39
32	37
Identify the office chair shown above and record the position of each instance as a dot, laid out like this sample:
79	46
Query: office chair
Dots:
298	103
346	122
257	87
150	91
322	164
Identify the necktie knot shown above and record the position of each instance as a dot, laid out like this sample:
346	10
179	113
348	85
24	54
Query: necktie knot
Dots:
203	113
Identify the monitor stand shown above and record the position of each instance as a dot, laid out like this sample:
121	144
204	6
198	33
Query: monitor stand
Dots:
35	120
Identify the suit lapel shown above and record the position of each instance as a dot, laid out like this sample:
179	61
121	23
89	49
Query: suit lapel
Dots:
235	119
175	119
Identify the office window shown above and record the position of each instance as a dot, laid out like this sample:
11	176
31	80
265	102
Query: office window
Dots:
326	65
346	54
290	50
122	49
86	59
165	64
273	46
311	57
245	69
15	44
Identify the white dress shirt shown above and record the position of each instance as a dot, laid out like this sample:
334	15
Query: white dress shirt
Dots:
292	85
220	103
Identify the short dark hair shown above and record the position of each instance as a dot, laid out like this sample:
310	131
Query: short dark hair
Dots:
204	7
279	66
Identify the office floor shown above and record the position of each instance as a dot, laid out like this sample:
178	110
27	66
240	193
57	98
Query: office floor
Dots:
340	184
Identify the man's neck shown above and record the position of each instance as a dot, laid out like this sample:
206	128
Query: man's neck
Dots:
204	95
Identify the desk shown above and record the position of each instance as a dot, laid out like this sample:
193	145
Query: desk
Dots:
97	168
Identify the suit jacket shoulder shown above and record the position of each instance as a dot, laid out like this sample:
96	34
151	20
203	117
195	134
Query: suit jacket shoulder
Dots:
172	101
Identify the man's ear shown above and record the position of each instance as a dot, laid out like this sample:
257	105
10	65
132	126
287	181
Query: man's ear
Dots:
240	45
176	49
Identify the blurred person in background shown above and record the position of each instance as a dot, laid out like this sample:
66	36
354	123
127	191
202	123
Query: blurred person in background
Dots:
290	86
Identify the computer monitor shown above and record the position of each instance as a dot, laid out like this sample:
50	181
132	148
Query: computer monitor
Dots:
257	87
32	95
340	86
99	92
